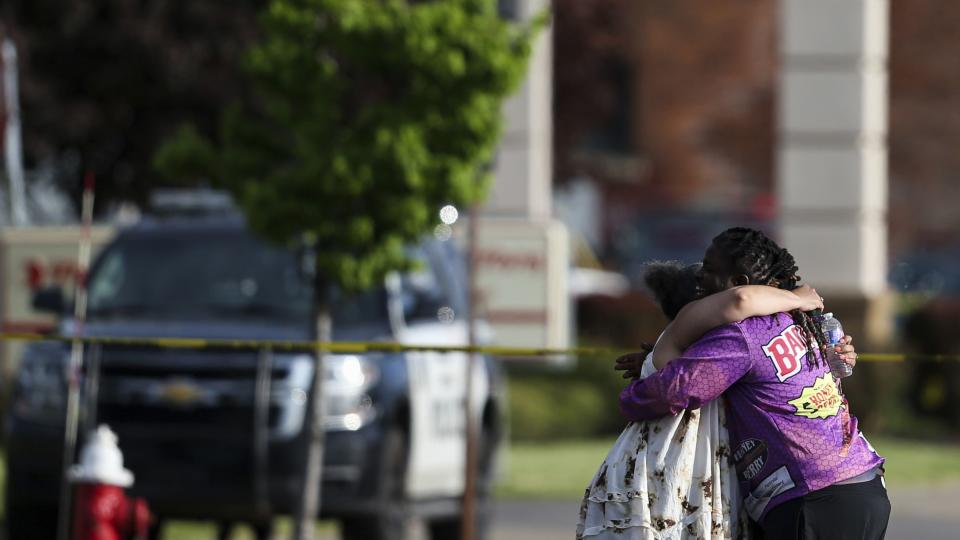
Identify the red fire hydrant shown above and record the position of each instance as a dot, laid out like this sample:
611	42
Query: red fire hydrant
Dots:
102	510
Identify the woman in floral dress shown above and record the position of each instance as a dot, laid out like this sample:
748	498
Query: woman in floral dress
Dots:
671	478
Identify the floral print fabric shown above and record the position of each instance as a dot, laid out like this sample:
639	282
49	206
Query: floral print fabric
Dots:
666	479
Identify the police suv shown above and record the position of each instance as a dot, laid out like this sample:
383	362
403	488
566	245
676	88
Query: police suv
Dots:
219	434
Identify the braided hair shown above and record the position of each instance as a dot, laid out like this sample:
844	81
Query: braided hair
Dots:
752	253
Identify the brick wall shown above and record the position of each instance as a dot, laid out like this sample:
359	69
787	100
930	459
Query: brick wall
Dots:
702	105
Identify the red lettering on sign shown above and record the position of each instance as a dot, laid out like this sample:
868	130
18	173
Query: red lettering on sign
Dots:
502	259
517	316
38	273
34	272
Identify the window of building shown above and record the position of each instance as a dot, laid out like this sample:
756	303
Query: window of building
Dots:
613	133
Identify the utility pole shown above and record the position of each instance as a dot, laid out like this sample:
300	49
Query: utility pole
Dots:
11	138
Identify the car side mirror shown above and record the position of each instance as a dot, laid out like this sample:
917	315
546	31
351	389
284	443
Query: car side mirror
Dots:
423	307
50	300
422	301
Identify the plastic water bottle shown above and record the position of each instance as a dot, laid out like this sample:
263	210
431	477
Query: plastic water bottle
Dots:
833	331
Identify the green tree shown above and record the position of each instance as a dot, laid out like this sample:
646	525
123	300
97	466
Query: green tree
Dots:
368	116
103	82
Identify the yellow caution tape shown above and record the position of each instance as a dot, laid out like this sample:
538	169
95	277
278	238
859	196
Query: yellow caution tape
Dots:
355	347
342	347
900	357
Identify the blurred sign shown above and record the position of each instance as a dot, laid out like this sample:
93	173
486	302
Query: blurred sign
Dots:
31	259
522	281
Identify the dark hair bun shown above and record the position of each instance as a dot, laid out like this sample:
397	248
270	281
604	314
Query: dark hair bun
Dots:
661	276
672	283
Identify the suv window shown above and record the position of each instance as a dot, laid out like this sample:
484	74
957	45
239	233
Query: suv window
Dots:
424	292
197	275
215	276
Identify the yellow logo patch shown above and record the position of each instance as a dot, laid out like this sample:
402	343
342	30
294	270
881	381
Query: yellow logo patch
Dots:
181	392
822	400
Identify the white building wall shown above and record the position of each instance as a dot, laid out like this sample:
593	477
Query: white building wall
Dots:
832	128
523	171
523	255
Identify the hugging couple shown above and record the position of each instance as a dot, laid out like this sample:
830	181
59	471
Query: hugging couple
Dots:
739	429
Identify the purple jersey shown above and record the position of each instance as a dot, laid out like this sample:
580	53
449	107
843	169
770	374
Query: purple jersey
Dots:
791	431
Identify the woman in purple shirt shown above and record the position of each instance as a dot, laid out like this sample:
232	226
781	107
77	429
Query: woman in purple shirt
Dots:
805	469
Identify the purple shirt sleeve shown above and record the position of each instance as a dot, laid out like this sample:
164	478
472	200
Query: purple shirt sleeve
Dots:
706	369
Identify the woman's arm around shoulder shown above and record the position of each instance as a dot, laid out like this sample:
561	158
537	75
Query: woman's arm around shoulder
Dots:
729	306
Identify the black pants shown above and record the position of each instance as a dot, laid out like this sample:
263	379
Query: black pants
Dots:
842	512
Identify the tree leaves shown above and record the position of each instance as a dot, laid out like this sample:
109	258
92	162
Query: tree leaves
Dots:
369	117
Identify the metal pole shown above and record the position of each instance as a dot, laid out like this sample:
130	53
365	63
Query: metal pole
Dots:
310	494
261	429
91	389
75	366
468	524
12	144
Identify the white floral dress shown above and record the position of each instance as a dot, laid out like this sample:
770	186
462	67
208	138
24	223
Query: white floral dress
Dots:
666	479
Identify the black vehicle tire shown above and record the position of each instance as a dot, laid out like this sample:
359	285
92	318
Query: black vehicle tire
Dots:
262	530
449	528
25	521
155	532
391	520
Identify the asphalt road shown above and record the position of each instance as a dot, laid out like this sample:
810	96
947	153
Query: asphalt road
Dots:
919	513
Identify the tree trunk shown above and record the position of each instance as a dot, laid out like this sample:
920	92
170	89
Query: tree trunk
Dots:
471	428
313	470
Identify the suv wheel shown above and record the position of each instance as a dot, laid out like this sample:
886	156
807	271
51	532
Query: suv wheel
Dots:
449	528
391	521
30	521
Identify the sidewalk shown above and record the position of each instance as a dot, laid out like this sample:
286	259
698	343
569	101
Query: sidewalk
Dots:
919	513
925	512
936	502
